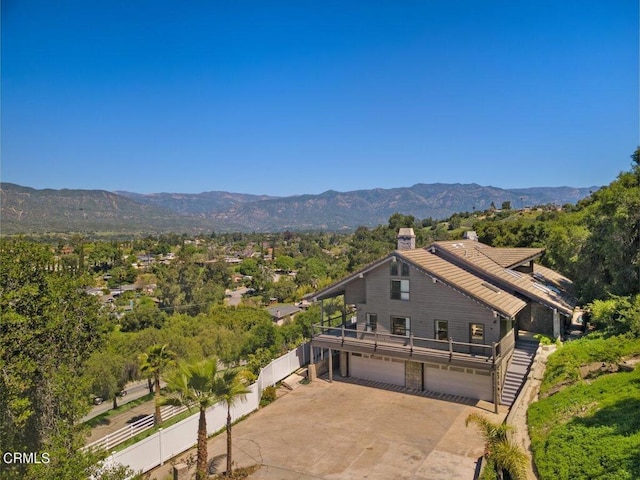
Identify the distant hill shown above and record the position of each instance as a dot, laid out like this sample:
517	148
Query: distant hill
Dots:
194	203
27	210
333	210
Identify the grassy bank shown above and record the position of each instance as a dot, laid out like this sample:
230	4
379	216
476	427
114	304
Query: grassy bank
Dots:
590	428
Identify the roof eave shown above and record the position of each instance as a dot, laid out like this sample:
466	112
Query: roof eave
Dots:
527	259
462	291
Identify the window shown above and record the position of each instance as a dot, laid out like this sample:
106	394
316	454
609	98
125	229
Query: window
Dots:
404	269
476	333
442	330
401	326
372	322
399	269
400	289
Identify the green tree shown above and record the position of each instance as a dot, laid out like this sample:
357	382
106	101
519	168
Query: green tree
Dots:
617	315
285	263
102	256
312	271
609	262
218	273
108	374
187	286
502	452
398	220
249	266
145	314
283	290
170	291
49	327
455	222
635	158
367	245
564	242
153	363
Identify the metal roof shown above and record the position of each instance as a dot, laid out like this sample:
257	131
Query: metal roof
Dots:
504	256
482	273
544	285
465	282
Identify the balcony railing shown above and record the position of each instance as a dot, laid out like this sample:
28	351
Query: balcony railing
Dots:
347	335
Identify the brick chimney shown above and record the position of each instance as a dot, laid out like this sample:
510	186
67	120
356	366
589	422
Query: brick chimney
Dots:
406	239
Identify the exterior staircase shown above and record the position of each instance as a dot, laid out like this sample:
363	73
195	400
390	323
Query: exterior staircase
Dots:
523	354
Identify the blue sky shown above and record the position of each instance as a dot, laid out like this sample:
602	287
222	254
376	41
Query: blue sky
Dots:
290	97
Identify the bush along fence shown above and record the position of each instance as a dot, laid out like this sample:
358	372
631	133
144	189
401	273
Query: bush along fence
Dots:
176	439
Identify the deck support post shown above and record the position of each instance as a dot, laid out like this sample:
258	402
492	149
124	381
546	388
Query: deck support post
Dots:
495	376
496	396
330	365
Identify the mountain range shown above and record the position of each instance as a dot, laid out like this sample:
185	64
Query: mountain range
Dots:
27	210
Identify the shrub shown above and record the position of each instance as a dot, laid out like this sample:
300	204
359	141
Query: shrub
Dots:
489	471
268	396
563	365
617	314
544	339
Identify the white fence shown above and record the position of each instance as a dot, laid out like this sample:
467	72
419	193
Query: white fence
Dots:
123	434
167	443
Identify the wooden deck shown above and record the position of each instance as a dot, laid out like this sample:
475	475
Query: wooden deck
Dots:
426	350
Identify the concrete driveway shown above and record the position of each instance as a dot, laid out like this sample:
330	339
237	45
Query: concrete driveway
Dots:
347	431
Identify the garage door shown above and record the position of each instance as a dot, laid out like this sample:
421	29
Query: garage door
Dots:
458	381
378	369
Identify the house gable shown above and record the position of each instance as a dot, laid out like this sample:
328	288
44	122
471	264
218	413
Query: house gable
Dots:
428	300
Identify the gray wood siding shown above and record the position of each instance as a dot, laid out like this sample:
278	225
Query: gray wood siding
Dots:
356	292
427	302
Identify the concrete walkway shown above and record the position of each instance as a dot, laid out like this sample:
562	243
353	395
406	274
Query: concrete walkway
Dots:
345	431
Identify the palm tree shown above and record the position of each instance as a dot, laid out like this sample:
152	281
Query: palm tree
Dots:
499	449
156	360
195	384
231	386
203	385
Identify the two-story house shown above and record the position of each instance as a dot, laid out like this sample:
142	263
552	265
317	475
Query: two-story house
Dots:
442	318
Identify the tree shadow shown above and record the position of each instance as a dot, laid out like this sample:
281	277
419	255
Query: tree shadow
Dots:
215	463
101	422
622	417
138	417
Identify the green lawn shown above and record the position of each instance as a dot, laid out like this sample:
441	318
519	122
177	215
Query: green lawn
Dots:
591	429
